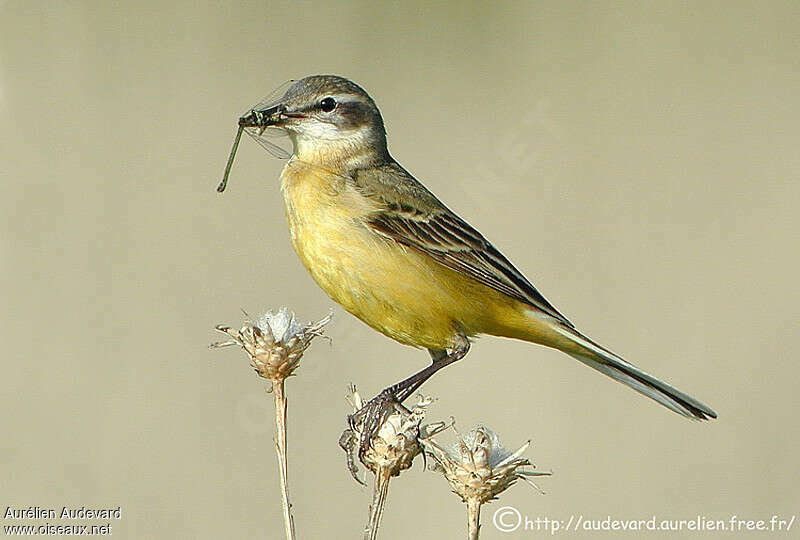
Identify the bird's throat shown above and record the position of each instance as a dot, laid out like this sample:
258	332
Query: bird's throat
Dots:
356	150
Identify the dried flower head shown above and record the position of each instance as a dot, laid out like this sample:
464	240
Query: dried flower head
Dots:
275	342
397	442
389	452
477	466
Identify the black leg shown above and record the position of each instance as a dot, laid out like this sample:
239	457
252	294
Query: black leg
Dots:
378	409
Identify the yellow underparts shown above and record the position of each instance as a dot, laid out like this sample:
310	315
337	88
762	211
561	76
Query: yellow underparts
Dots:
396	290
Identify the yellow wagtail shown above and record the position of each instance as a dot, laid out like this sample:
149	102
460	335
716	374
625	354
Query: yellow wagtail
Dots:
384	247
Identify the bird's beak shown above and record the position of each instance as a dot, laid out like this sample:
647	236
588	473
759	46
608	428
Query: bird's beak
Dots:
273	116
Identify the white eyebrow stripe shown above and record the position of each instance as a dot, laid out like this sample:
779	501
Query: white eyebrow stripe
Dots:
343	98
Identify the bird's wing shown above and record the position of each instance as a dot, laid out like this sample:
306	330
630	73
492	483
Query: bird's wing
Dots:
414	217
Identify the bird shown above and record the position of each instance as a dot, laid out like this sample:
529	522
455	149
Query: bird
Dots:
383	246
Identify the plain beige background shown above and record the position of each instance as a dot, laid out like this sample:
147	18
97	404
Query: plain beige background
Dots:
637	161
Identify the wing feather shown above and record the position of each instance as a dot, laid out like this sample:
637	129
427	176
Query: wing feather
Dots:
414	217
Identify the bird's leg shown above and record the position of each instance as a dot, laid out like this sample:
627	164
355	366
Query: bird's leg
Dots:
378	409
439	359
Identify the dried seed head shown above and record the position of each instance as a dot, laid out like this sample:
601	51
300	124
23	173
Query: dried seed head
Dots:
477	466
397	442
275	342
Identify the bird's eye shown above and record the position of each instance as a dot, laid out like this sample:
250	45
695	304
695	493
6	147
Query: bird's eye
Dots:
327	104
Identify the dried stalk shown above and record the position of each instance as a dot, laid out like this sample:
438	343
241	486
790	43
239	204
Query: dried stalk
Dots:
473	518
379	491
275	344
280	448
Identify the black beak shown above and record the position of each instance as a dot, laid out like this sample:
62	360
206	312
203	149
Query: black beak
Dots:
262	118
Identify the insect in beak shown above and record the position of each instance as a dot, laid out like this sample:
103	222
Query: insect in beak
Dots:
258	119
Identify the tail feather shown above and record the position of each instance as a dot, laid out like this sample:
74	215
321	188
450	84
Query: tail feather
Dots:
605	361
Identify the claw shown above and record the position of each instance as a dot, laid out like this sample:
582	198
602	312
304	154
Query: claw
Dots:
364	425
347	442
370	418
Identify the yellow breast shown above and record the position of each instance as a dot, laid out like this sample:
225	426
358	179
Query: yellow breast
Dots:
396	290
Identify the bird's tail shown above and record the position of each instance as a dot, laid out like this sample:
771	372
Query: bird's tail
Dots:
605	361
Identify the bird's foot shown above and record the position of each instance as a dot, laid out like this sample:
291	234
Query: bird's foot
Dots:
368	420
348	442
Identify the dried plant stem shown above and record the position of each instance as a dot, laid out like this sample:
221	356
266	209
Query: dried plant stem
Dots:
275	344
379	491
473	517
280	447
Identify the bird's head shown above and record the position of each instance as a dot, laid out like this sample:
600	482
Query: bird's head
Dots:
330	120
